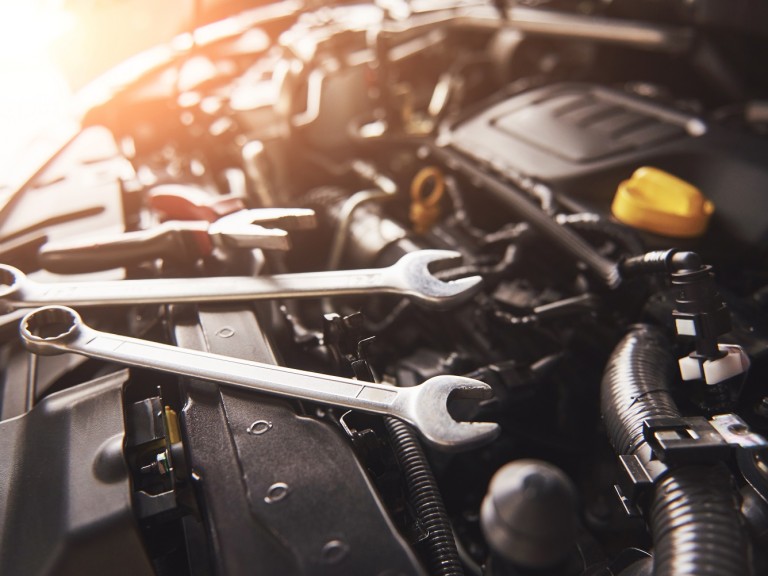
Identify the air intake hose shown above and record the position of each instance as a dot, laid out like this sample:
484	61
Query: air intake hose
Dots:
693	511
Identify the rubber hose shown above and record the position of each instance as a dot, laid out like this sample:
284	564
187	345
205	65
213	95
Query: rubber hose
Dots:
660	262
636	386
696	526
625	237
513	197
443	557
694	515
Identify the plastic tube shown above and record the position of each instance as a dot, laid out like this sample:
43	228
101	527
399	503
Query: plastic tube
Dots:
693	513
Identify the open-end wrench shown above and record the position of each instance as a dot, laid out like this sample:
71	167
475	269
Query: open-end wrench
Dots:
178	240
56	329
409	276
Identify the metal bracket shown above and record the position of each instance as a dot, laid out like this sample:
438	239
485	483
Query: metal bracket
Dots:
681	441
677	441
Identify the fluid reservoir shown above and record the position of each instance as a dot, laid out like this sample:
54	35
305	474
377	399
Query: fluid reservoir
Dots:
658	202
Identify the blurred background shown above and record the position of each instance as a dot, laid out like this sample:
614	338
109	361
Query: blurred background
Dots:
51	48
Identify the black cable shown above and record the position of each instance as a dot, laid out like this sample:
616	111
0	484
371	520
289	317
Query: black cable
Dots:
605	269
660	262
589	223
427	501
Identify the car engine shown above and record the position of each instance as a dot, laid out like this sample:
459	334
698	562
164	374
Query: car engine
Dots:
401	288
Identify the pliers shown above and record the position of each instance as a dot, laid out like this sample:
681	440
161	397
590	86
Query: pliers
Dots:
177	240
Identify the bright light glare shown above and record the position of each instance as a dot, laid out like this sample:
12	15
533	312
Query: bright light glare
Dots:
34	92
31	26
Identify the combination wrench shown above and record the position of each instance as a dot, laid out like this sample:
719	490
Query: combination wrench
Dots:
409	276
57	329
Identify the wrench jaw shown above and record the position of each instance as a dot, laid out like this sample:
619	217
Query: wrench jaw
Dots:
261	227
412	274
48	330
285	218
249	236
427	409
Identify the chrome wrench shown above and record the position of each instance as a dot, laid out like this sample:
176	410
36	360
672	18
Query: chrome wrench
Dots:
57	329
409	276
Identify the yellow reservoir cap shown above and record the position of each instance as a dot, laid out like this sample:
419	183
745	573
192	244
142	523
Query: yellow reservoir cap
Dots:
658	202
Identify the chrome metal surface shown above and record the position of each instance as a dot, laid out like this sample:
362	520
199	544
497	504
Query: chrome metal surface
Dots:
56	329
409	276
246	228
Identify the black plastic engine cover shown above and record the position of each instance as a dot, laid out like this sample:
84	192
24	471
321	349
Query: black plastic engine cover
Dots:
281	493
583	140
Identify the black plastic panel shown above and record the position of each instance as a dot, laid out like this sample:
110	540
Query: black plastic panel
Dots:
65	498
585	125
583	140
329	520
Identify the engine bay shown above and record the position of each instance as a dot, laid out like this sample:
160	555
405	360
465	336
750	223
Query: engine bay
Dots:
401	288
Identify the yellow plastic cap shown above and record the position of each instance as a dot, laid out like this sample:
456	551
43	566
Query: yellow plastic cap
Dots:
658	202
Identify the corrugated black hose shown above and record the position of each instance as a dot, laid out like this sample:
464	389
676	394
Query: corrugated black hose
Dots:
693	513
426	499
422	491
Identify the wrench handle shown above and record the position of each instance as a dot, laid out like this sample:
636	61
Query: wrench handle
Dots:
332	283
212	289
279	380
56	329
409	277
